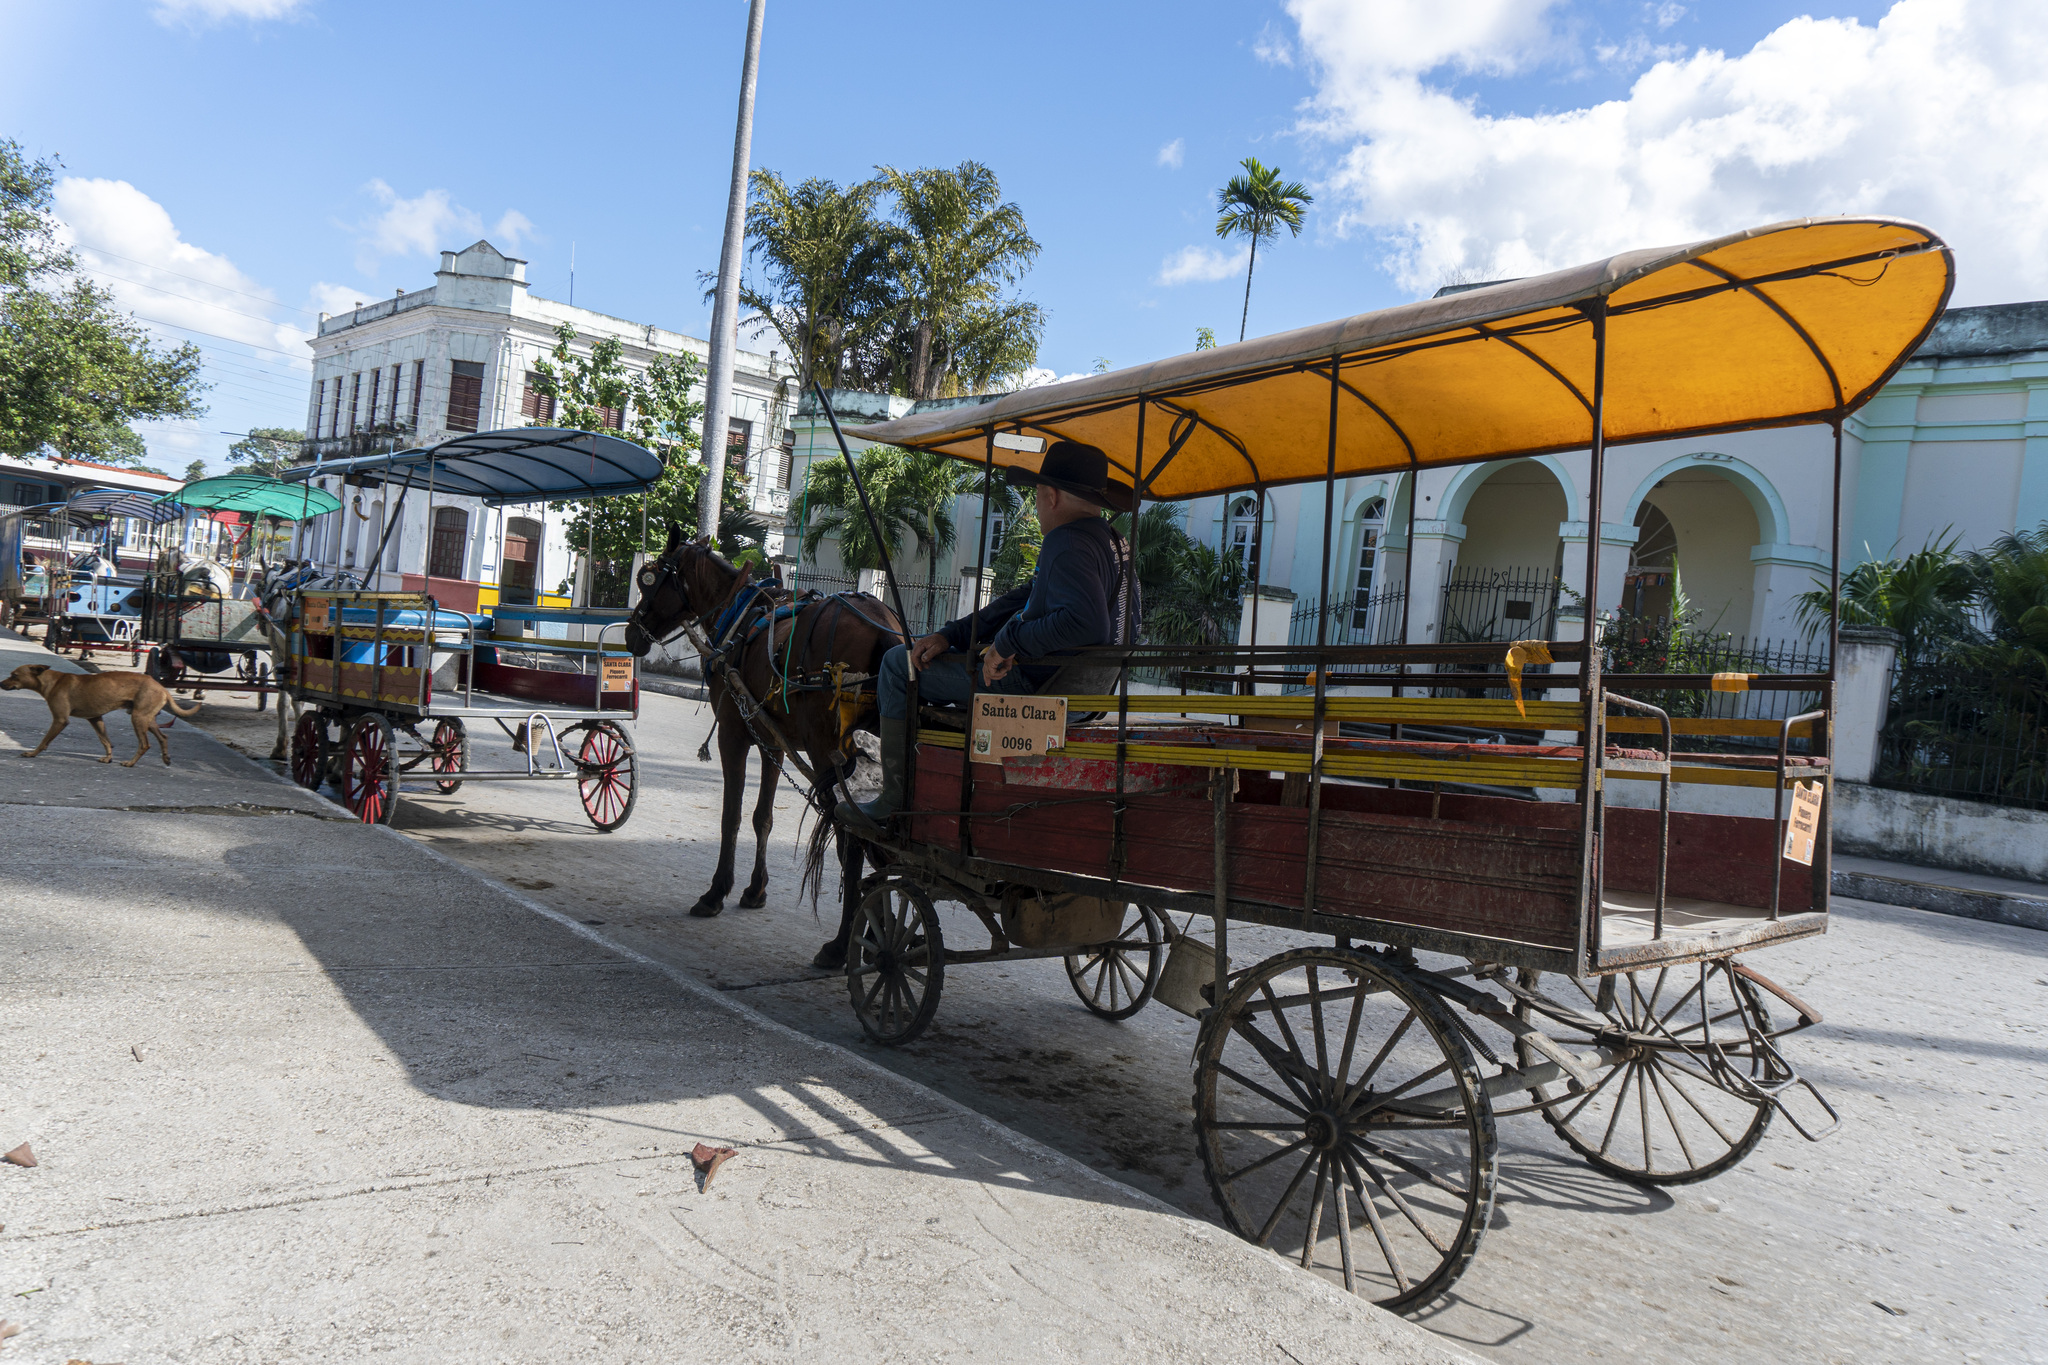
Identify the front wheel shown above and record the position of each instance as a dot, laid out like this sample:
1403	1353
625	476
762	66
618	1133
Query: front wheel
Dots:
309	751
895	962
608	770
369	779
1342	1121
1115	979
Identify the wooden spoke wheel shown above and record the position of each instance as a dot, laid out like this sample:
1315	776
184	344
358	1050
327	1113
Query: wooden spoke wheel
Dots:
448	752
1684	1097
310	750
1342	1123
1116	979
608	770
369	775
895	962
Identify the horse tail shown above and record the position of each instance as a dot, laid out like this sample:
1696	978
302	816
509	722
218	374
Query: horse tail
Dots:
814	850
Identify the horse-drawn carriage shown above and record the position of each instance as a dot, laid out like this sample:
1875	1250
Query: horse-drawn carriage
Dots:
1465	954
367	668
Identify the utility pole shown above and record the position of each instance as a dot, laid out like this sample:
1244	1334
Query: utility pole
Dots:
725	309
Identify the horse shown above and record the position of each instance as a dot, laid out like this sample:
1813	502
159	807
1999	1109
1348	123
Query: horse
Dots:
790	657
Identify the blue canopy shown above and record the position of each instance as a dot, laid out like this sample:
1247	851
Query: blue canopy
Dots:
517	465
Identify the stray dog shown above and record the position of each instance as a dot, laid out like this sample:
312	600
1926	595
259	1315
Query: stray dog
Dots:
95	695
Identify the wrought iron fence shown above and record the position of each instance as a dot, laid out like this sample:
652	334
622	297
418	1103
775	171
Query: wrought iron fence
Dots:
1633	645
1354	619
1499	604
1966	733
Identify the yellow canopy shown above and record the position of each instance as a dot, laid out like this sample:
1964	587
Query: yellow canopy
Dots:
1797	322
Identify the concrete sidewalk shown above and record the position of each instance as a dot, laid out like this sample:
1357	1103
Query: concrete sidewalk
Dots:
302	1090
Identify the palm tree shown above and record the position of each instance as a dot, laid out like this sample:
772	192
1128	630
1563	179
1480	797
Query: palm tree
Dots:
822	274
832	508
1256	205
958	247
1926	596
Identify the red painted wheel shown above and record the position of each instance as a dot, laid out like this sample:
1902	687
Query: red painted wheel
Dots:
309	751
450	747
608	772
369	781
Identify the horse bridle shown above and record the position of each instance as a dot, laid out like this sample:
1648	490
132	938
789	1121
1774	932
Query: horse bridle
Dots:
656	574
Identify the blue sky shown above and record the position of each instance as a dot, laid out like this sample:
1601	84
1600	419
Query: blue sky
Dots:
238	165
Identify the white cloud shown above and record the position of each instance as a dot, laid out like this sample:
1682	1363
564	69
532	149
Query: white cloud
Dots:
1201	263
1637	51
427	224
1668	14
215	11
1273	48
1173	153
1936	113
130	246
339	298
1038	376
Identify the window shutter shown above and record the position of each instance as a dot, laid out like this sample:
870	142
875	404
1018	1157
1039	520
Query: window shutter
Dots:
465	395
419	380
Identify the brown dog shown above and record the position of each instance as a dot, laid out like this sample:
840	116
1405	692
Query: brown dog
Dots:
93	695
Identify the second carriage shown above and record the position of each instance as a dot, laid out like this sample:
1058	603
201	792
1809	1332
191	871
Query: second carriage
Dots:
390	685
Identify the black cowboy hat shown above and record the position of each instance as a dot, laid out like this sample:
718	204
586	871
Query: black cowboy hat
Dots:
1081	470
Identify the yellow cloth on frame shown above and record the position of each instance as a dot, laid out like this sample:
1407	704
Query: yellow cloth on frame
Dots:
1521	654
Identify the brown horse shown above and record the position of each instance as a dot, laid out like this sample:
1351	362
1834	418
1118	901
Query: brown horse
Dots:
786	664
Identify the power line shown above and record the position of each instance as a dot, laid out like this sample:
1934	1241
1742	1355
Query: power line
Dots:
180	327
189	298
99	251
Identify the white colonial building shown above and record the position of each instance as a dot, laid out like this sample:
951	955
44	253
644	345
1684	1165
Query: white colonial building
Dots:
459	356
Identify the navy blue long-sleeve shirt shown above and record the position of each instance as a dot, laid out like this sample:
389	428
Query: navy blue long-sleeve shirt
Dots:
1069	603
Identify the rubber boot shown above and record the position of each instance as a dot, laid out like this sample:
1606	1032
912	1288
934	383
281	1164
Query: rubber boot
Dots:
872	817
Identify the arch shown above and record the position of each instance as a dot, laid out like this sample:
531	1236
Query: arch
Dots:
1773	525
1466	481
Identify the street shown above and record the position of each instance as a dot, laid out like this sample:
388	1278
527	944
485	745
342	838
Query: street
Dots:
1912	1234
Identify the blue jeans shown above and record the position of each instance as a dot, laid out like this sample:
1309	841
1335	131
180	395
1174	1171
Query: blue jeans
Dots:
944	681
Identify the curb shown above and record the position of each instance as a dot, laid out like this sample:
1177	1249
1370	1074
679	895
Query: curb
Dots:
2025	912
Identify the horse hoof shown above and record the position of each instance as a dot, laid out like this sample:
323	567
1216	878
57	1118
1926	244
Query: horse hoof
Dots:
707	909
753	900
831	957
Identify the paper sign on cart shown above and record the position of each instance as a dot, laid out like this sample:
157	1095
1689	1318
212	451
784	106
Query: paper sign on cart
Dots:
1015	727
318	614
618	674
1804	825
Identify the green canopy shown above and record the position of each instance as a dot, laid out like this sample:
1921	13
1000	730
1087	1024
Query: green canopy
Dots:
258	494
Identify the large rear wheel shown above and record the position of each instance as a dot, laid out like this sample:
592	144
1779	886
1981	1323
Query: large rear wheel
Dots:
1342	1122
369	780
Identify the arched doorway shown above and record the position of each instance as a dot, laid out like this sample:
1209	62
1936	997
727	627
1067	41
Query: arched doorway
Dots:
1709	524
1504	585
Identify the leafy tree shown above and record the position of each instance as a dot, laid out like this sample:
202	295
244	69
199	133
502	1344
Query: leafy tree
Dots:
1925	596
1205	338
73	371
655	409
1257	205
265	450
822	279
955	250
1017	559
195	471
2012	587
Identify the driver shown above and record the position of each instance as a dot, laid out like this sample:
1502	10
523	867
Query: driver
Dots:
1074	599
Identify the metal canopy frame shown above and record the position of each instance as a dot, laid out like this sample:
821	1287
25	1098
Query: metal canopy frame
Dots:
516	465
